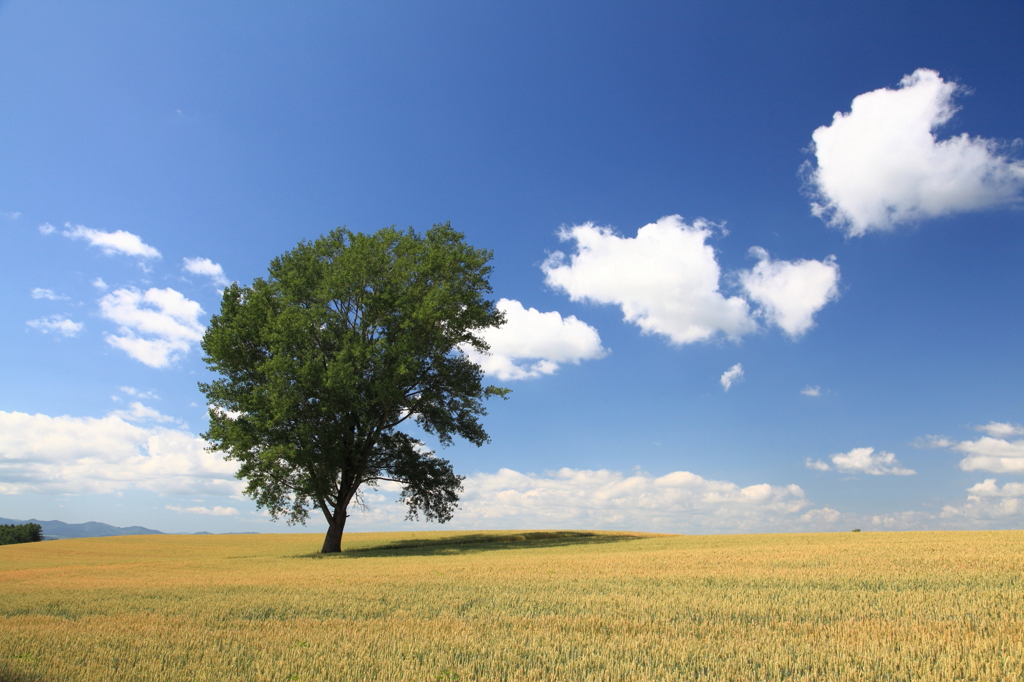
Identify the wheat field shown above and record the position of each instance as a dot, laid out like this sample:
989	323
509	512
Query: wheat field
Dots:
526	606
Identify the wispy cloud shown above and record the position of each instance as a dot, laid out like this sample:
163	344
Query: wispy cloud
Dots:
137	412
1001	429
47	228
118	242
48	294
214	511
731	376
136	393
881	165
99	284
11	215
57	324
825	515
933	442
813	391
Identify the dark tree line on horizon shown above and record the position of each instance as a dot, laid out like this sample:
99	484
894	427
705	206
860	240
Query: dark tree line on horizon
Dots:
26	532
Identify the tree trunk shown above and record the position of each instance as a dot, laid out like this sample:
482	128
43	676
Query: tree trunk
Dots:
336	521
332	541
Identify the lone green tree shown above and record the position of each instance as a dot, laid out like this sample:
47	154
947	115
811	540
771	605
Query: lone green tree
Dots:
348	338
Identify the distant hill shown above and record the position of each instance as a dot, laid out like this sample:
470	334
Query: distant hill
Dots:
58	530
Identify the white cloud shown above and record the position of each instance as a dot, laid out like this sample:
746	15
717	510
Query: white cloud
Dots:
933	442
824	515
1001	429
665	280
57	324
99	284
134	392
976	512
986	501
48	294
791	292
813	391
988	488
987	506
119	242
207	268
230	414
992	454
137	412
531	343
215	511
984	509
863	461
12	215
816	464
573	498
679	502
989	453
156	327
733	374
880	164
43	454
907	520
46	228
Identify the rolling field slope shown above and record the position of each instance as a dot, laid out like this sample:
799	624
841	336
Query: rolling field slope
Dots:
528	606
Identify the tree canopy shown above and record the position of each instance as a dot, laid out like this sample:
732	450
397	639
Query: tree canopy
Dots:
350	337
11	534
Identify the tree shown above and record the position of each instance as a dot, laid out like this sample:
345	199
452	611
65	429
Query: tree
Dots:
11	534
348	338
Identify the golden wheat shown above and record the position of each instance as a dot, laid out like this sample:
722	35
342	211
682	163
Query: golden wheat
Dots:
527	606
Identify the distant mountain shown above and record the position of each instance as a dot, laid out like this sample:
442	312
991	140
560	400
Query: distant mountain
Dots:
58	530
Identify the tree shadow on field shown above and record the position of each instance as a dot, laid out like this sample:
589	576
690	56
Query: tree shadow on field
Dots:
480	542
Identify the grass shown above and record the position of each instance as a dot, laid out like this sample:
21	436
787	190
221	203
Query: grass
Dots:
515	606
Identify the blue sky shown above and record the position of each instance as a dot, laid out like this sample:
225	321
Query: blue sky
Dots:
732	309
